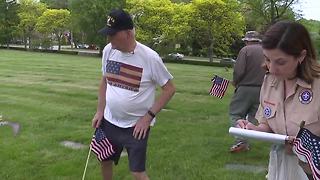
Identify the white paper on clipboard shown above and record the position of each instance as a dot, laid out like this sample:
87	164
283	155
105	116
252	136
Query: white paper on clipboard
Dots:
262	136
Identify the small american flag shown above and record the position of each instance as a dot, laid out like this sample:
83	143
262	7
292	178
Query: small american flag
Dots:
123	75
307	147
101	146
219	86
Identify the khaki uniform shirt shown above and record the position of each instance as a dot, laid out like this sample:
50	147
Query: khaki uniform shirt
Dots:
285	115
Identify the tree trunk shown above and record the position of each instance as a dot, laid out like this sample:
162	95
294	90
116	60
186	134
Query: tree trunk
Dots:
272	12
210	53
71	39
59	41
30	44
25	42
210	50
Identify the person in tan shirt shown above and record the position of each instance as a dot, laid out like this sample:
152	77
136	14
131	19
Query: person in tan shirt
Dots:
290	94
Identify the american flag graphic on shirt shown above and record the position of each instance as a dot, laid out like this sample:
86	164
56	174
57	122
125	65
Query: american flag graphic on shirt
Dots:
123	75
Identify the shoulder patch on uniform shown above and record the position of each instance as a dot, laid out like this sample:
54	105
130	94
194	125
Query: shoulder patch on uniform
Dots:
305	96
267	112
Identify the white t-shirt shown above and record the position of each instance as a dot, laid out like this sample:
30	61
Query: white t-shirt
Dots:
131	83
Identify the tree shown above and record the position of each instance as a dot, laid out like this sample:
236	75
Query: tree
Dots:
8	20
262	13
54	21
181	1
29	12
159	23
313	27
216	24
88	17
56	4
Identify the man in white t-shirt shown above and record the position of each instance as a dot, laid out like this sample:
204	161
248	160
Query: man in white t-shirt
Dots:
126	104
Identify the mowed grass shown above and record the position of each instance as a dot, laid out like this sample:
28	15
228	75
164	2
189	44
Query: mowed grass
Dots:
54	97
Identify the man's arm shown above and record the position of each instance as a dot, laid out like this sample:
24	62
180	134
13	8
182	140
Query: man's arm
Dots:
239	68
101	103
168	91
142	126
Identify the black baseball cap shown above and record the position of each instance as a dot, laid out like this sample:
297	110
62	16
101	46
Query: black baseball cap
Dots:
117	20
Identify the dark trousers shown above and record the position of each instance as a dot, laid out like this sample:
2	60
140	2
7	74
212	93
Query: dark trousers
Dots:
244	104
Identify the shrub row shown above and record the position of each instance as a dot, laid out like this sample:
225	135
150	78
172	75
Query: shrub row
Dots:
166	60
41	50
202	63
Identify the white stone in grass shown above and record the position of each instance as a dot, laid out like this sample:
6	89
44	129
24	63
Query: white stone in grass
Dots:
73	145
166	109
15	126
246	168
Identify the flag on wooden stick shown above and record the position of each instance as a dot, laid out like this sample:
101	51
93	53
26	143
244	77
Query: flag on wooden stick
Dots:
307	147
219	86
101	146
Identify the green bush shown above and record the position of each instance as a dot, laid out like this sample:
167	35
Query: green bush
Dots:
202	63
46	43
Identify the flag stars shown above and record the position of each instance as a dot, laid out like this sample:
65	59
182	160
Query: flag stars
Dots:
99	135
113	67
308	146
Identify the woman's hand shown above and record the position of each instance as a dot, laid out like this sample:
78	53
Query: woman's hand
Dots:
242	123
288	145
245	124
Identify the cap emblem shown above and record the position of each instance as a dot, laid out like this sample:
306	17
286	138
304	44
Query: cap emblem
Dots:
110	21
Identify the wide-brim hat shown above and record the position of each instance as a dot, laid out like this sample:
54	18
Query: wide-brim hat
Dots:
252	36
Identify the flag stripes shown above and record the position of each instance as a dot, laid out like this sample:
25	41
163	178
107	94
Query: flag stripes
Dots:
101	146
219	86
307	146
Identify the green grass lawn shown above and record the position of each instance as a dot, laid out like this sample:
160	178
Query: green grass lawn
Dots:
54	97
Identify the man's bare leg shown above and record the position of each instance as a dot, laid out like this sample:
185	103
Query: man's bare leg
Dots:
140	175
106	170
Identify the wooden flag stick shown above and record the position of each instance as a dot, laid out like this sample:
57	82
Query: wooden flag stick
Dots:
302	124
85	167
